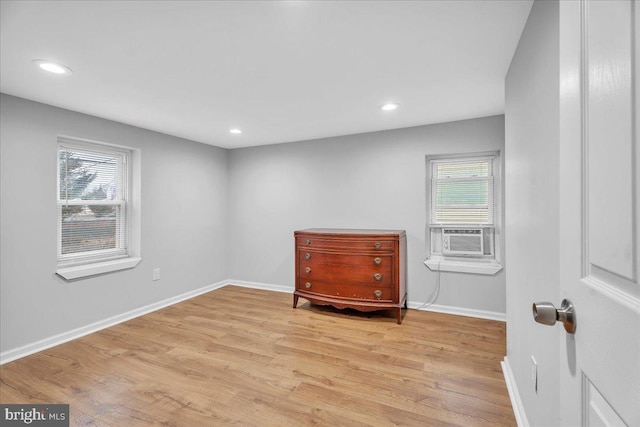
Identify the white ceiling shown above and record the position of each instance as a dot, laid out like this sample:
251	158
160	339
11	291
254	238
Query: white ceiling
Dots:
281	71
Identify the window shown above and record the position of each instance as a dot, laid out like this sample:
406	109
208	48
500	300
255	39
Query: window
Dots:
463	192
97	221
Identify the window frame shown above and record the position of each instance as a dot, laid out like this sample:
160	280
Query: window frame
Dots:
74	266
489	263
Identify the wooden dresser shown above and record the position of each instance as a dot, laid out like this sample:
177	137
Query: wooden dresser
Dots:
360	269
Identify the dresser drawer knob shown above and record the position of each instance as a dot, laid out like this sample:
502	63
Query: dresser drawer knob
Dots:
307	242
377	293
307	285
307	256
377	245
377	276
307	270
377	260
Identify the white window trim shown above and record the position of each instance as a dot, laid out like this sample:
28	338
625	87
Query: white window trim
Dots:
466	265
488	264
71	271
80	271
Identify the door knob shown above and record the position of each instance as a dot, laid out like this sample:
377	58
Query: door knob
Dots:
547	314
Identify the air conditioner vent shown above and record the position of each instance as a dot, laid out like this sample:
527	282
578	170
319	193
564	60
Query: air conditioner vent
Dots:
467	241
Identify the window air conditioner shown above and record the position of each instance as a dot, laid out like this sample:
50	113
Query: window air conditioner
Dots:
467	241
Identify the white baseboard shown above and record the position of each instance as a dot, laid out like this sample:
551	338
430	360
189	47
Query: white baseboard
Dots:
514	395
459	311
17	353
258	285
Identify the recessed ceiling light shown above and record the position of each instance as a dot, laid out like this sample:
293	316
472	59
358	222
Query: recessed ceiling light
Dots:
52	67
235	131
389	107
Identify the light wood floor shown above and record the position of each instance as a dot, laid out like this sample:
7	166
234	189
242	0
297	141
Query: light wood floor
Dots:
238	356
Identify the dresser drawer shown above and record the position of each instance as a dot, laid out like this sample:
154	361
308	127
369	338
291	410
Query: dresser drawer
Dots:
345	290
377	276
345	258
357	244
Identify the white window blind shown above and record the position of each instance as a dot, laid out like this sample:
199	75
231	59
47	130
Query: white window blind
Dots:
92	202
462	191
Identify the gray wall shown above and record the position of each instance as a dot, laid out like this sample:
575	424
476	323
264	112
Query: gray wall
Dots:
532	207
184	223
373	180
210	214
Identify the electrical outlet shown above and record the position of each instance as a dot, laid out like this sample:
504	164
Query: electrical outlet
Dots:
156	274
534	374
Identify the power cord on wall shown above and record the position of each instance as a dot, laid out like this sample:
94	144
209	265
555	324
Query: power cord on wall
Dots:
434	295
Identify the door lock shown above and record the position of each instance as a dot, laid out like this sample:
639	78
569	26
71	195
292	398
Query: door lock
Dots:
547	314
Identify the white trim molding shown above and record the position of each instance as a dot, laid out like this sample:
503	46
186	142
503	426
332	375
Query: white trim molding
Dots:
440	263
514	395
263	286
79	271
458	311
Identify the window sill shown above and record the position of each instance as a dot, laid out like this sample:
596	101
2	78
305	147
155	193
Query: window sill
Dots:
79	271
464	265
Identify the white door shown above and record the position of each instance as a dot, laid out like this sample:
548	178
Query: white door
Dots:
599	382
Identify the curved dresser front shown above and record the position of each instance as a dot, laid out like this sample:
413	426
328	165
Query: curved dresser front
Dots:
350	268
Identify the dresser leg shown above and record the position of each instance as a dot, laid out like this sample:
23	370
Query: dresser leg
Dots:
295	300
399	315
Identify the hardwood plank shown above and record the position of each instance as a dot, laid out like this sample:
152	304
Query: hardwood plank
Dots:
239	356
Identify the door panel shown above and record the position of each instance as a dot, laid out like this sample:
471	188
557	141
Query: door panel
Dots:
599	412
599	192
609	136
